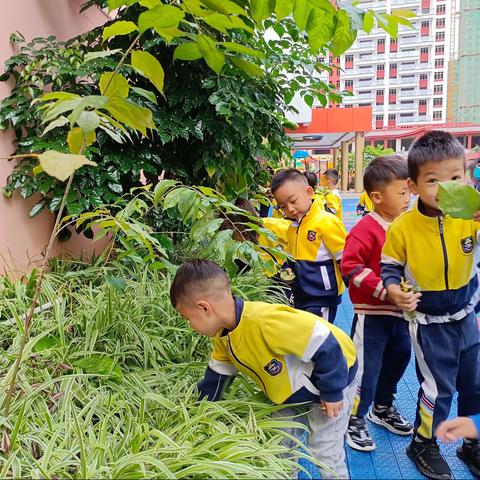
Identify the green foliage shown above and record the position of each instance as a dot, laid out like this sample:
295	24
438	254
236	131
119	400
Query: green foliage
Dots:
369	153
107	388
458	200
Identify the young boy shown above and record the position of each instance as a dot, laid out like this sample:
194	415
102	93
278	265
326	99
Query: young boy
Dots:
379	332
435	253
333	199
293	356
315	240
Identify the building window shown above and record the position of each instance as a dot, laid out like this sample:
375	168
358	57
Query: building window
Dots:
438	89
438	76
437	115
379	117
439	63
440	22
348	83
441	9
392	91
438	102
425	24
381	41
439	49
422	102
440	36
424	50
391	116
380	67
349	61
379	92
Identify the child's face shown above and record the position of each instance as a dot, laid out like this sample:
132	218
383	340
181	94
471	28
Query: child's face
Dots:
393	199
426	185
294	199
201	317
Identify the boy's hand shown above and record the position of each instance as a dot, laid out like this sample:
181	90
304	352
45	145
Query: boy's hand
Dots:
332	409
452	430
476	216
407	301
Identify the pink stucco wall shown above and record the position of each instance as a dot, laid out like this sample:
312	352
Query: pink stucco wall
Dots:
22	239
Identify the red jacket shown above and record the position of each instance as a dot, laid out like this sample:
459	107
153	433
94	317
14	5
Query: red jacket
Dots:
361	266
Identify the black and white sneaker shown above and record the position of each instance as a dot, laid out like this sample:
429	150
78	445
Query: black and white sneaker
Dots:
390	418
429	461
358	436
469	453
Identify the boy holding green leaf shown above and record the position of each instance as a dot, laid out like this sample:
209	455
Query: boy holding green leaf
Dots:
435	252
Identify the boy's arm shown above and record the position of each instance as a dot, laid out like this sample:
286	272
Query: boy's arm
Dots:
333	203
218	375
354	259
334	236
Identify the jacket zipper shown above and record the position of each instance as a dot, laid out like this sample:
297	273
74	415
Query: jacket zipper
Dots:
246	366
445	256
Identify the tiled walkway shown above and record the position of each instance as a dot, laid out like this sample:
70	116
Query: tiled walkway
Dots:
389	460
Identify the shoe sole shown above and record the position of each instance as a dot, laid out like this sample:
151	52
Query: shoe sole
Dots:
473	469
355	446
379	421
423	471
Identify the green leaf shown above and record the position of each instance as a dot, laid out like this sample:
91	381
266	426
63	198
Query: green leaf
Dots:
174	196
226	7
121	27
57	96
187	51
160	189
59	122
88	122
247	67
38	208
98	364
132	115
238	48
261	9
114	4
403	12
458	200
114	85
284	8
160	18
149	3
213	56
308	100
301	12
46	342
148	94
148	66
62	165
204	229
344	35
75	138
320	28
368	19
219	22
118	283
101	54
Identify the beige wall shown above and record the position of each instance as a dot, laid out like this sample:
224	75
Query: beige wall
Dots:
22	240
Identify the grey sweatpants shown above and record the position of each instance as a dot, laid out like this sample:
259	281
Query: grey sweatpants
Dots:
326	435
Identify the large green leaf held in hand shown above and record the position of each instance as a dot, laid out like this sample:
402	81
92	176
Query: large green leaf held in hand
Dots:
458	200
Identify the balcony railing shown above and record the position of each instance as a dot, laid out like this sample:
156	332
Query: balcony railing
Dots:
415	93
357	71
417	40
415	67
412	107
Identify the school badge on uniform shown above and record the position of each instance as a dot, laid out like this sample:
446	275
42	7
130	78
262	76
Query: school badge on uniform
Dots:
311	235
467	244
274	367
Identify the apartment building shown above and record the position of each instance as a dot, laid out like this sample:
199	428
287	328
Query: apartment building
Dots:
404	80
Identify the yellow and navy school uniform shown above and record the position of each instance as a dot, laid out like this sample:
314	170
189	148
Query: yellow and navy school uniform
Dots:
316	244
279	227
292	355
334	203
365	204
437	255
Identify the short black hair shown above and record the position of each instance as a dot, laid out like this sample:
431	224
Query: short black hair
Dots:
312	178
333	174
195	275
434	146
288	175
383	170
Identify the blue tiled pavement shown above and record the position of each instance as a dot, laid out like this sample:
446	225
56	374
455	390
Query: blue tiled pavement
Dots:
389	460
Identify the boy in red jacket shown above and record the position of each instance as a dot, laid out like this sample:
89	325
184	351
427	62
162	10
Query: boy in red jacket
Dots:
379	332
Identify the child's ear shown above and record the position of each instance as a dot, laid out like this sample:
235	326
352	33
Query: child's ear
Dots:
412	186
376	197
204	306
310	190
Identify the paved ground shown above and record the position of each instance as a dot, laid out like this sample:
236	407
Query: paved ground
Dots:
389	460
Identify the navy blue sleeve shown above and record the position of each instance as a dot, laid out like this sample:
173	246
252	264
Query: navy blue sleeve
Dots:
391	274
330	371
213	385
